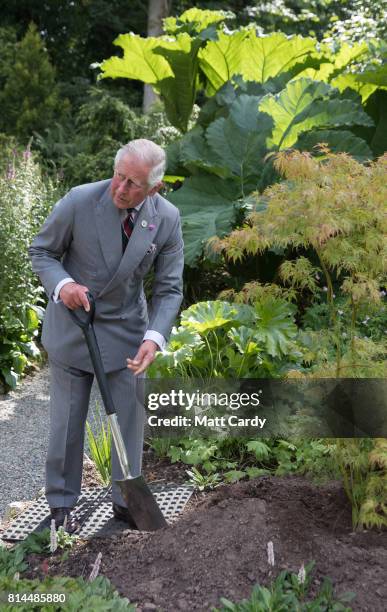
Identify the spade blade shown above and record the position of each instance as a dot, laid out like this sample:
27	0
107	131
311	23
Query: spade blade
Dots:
141	504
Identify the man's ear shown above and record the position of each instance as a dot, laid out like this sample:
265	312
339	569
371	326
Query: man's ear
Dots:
155	189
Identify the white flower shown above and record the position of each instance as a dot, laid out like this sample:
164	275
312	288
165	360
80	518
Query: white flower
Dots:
270	554
301	574
325	289
95	569
53	537
340	312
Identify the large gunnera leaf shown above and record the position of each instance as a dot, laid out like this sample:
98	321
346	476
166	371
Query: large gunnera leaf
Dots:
255	58
169	65
232	148
305	104
207	208
195	20
269	56
223	58
239	141
340	141
138	62
179	91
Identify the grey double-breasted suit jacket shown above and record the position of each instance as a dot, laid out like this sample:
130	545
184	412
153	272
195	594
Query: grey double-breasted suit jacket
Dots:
81	238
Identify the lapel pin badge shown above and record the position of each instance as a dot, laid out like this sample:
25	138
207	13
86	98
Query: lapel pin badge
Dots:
144	223
151	227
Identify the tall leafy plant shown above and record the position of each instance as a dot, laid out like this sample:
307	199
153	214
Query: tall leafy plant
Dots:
218	339
24	203
226	152
336	207
197	51
169	63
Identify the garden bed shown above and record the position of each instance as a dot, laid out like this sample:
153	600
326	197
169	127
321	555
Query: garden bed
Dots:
219	548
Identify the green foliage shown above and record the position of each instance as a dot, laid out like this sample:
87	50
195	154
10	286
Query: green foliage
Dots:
12	561
197	51
227	151
296	16
336	207
361	20
291	100
85	151
231	459
201	481
25	200
195	20
363	466
255	58
7	52
80	594
290	591
98	595
304	105
30	97
77	34
218	339
170	65
100	445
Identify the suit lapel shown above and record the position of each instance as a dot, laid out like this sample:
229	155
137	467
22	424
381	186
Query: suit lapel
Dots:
140	241
108	223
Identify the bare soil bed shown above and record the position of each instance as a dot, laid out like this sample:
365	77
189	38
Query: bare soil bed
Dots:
219	548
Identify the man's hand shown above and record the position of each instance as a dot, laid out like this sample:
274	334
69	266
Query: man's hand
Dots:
145	355
73	296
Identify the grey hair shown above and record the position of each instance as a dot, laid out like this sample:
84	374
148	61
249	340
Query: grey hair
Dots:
148	152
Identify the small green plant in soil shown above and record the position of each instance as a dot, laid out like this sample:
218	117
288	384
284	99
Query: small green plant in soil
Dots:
290	591
237	458
77	594
203	481
12	560
97	594
100	444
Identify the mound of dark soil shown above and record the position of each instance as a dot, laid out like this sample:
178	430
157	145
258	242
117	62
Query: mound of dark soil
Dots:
219	548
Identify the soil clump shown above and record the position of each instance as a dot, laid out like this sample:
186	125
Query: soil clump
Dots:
218	548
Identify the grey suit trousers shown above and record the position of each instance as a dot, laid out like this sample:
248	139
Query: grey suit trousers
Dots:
69	401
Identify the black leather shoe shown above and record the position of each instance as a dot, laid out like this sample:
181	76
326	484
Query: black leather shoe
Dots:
59	515
122	514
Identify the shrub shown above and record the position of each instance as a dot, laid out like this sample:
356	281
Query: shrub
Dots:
335	208
85	151
30	98
25	200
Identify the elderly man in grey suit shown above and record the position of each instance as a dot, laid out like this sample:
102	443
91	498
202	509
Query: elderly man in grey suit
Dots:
104	237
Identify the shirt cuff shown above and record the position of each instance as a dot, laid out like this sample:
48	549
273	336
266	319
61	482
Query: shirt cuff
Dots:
151	334
55	295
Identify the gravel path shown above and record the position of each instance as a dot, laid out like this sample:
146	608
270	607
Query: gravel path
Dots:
24	418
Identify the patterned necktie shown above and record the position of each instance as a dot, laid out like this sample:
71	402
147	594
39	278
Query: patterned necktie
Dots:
127	229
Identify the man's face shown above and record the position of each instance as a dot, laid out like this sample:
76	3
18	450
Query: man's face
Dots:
129	185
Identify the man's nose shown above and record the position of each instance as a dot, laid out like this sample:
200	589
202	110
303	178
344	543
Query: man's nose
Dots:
122	187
